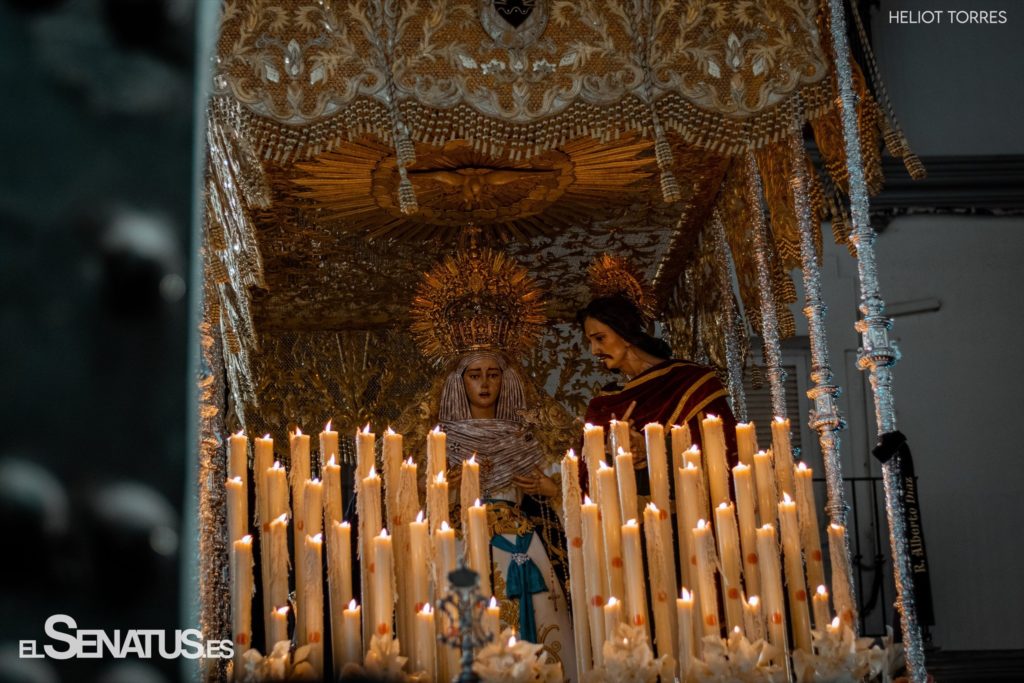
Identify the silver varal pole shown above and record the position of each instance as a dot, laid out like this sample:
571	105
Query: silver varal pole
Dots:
824	417
769	318
877	354
733	359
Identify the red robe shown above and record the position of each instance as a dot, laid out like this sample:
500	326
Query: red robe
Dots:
670	393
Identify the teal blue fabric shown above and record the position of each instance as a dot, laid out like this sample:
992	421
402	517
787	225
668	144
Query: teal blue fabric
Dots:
522	580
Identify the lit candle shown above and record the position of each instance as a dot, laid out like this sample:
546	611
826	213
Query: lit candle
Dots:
332	496
633	559
298	446
657	465
276	480
681	440
312	496
238	456
314	607
339	577
620	436
469	487
426	644
821	613
368	506
437	452
790	530
729	553
807	510
753	622
715	460
612	527
771	590
593	454
628	504
329	444
437	501
783	454
479	546
383	571
692	455
746	442
746	512
419	562
277	626
704	548
593	576
764	480
492	618
238	509
444	564
412	578
277	551
684	626
365	453
660	583
391	458
241	597
841	597
692	489
307	585
612	616
573	525
263	458
351	638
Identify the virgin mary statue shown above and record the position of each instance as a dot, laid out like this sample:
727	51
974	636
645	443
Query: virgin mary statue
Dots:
477	312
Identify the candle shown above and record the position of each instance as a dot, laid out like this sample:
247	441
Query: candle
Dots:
479	546
612	616
692	489
277	626
715	460
437	501
339	577
841	597
821	613
746	442
263	458
238	456
790	530
753	622
657	465
620	436
383	571
411	594
632	557
426	644
593	571
444	564
681	440
684	626
332	496
469	487
682	544
771	589
391	457
729	554
662	585
628	504
593	454
277	550
764	480
419	562
368	506
276	480
437	452
703	546
307	584
573	526
365	453
810	539
238	509
746	511
492	618
329	444
314	607
299	470
612	528
241	598
351	638
692	455
783	454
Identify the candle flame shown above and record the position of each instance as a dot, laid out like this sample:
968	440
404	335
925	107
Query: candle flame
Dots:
835	527
352	605
802	466
723	505
276	465
736	630
767	527
383	533
754	601
247	539
373	472
690	466
512	641
612	601
440	477
366	429
603	466
493	602
472	459
835	622
283	519
693	449
240	432
686	595
571	454
327	427
632	522
437	430
410	462
389	431
346	525
710	417
331	462
822	591
266	436
319	538
314	481
588	426
622	451
586	500
298	430
652	507
701	524
745	425
237	480
786	498
445	526
741	467
419	517
780	419
477	503
283	610
761	454
427	609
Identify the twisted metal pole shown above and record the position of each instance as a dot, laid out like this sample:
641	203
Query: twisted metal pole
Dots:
733	359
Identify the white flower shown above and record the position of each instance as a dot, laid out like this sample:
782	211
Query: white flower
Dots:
508	660
628	658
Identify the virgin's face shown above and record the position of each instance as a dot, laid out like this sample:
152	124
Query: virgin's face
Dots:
605	343
482	380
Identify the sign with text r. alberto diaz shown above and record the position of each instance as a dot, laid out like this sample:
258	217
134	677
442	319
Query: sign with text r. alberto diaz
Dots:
71	642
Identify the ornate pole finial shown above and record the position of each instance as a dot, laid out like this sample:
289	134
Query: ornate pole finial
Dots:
465	606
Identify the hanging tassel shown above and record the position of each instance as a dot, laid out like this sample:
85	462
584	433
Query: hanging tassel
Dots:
670	190
405	150
406	194
914	166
